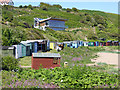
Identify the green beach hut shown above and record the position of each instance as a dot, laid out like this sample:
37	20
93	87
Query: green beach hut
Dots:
25	48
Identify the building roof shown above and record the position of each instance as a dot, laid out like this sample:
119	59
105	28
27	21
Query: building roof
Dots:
7	47
115	41
34	41
42	20
67	42
5	1
46	55
25	43
109	41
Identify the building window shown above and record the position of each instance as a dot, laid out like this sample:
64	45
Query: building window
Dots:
55	60
27	48
46	23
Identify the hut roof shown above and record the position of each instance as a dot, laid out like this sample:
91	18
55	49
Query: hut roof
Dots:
109	41
46	55
42	20
7	47
34	40
24	43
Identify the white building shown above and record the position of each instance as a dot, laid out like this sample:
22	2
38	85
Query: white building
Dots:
6	2
53	23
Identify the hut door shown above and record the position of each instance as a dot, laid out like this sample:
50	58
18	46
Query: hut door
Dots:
55	61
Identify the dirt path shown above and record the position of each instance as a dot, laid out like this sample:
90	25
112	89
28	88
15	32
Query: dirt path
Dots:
108	58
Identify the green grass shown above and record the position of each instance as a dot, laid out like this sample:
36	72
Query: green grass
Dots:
25	61
76	75
105	25
81	55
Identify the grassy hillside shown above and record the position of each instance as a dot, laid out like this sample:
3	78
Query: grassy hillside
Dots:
17	24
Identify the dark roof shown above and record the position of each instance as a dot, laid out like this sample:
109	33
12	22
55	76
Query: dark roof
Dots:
7	47
103	39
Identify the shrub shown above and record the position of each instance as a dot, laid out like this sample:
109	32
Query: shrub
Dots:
9	63
20	6
57	5
44	8
25	6
68	10
30	6
74	9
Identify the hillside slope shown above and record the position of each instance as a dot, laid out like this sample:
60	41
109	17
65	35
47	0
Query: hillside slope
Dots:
17	24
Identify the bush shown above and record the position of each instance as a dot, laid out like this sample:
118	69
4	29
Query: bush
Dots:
68	10
57	5
20	6
74	9
9	63
25	6
30	6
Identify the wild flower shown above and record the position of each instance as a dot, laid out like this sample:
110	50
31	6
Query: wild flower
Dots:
61	80
80	64
43	79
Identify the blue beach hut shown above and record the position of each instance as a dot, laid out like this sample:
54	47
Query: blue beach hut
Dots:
74	44
97	43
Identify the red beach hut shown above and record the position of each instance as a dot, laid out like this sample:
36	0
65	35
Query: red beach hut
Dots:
47	60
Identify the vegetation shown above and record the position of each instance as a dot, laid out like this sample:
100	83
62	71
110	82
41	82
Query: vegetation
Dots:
70	77
90	23
9	63
76	75
25	61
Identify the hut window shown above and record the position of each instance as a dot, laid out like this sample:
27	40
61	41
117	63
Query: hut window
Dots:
55	61
46	23
27	48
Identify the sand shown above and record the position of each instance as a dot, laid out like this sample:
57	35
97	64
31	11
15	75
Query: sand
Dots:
108	58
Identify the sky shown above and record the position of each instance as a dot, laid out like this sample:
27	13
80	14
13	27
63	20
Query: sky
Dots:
110	6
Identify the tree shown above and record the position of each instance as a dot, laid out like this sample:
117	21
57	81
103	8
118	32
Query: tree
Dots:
25	6
9	63
20	6
74	9
30	6
57	5
68	10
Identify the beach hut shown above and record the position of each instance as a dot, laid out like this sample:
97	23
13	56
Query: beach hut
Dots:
85	43
18	51
42	46
80	43
33	46
74	44
48	45
67	43
109	43
104	43
8	51
97	43
60	45
38	45
25	48
52	45
101	43
47	60
115	43
90	43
